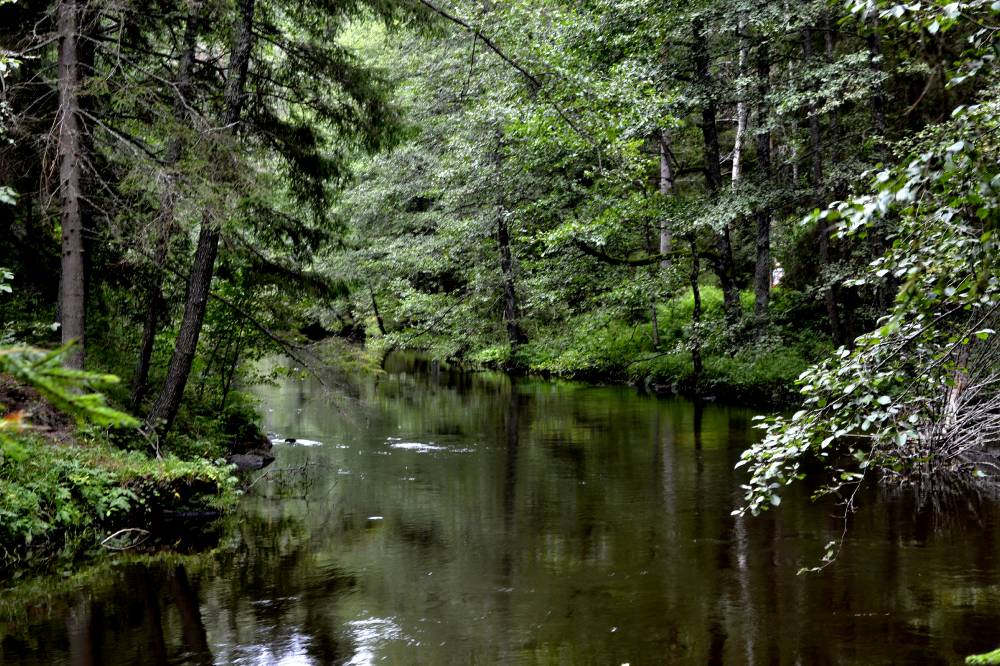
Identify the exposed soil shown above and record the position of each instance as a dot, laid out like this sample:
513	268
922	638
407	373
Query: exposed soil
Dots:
40	416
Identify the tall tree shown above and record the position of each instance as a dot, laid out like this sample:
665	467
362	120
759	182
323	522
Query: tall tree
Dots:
762	269
200	280
723	261
511	310
72	295
165	219
819	199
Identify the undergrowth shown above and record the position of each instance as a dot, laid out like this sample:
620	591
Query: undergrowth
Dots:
59	499
739	366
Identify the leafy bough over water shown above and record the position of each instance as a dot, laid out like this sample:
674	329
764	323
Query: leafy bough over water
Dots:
921	394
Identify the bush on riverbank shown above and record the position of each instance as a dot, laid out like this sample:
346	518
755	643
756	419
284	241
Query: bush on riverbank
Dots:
739	367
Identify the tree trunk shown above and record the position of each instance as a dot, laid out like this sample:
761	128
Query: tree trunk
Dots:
829	295
666	234
836	138
762	270
511	311
231	367
666	189
378	315
165	409
696	312
723	265
845	312
877	101
960	382
890	285
654	321
742	108
165	219
72	288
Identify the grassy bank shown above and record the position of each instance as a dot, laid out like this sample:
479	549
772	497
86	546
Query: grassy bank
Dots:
74	469
59	500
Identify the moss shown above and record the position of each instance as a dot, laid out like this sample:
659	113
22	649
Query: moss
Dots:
984	659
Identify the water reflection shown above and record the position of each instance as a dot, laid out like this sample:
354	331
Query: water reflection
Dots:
527	522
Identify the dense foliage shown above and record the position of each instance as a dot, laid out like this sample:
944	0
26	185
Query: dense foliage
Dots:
712	197
165	179
627	189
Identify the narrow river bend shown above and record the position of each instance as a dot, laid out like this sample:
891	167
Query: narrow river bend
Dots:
450	518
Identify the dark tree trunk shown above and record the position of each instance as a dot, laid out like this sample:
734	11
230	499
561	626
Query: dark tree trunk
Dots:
165	219
696	312
165	409
511	311
723	265
815	148
762	270
378	315
839	183
877	101
72	296
890	285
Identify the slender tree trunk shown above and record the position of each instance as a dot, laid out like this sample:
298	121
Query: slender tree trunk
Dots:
839	183
890	285
231	367
666	189
654	320
960	382
72	288
742	108
165	409
815	149
723	265
878	102
165	219
836	151
511	311
762	270
378	316
696	312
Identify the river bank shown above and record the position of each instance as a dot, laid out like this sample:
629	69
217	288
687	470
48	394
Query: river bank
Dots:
744	368
70	490
442	516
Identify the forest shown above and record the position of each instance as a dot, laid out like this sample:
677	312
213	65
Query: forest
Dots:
786	205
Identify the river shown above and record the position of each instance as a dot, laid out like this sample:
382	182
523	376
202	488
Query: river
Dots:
436	517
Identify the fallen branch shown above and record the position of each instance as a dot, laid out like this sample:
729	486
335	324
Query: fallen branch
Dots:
127	530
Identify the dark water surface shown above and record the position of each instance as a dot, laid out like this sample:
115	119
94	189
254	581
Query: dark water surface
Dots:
456	519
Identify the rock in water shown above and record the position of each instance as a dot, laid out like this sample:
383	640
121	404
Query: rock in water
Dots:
251	461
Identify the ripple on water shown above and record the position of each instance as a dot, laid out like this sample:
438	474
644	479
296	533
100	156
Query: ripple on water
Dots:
293	652
369	635
424	447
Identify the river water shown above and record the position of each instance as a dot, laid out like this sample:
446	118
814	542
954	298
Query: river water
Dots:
433	517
